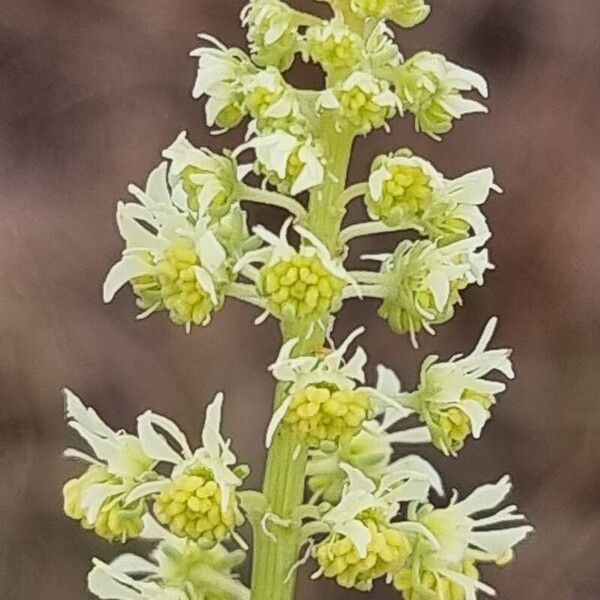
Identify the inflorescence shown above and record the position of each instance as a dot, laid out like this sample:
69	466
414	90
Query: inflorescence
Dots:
369	515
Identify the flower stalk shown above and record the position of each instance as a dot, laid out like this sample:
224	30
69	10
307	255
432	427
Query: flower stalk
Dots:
273	573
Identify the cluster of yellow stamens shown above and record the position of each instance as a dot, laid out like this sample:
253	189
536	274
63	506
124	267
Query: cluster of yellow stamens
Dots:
191	507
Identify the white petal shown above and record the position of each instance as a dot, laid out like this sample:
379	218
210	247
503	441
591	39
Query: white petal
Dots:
95	495
156	186
357	480
155	445
376	181
132	563
359	534
500	541
211	252
87	417
145	489
486	496
437	282
102	585
354	368
388	382
478	415
211	432
416	435
122	272
275	421
412	462
154	531
467	583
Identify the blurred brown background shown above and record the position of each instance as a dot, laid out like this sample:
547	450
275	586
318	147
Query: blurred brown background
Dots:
92	90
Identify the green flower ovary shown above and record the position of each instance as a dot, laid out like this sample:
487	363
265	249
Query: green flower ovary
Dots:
232	115
280	53
175	288
405	195
115	522
222	201
300	288
191	507
322	413
431	585
335	53
450	427
387	552
360	110
427	106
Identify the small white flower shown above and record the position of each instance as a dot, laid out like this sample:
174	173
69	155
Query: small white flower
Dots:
210	180
164	246
127	464
329	369
208	570
420	283
371	449
471	529
313	254
334	46
359	495
269	98
408	191
295	162
215	454
221	71
272	32
364	101
459	384
407	480
431	87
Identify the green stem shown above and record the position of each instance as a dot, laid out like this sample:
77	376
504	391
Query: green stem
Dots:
274	559
260	196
